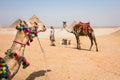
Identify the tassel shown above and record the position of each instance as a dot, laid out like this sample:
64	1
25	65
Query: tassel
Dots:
29	30
16	56
28	43
25	31
21	58
31	40
24	60
35	32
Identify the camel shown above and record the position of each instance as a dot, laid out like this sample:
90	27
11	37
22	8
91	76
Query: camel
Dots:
15	55
81	29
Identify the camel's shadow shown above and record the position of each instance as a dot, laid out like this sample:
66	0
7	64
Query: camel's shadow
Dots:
33	75
84	49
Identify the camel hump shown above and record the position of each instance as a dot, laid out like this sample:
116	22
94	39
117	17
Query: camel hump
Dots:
85	26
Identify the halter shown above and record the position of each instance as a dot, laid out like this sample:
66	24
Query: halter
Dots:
4	68
19	43
19	58
30	32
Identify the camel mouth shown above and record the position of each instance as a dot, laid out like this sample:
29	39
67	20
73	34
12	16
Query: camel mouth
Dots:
41	28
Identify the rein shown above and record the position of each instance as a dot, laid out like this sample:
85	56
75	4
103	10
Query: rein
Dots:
46	66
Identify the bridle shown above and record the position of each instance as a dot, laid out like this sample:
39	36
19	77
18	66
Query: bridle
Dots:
29	32
31	36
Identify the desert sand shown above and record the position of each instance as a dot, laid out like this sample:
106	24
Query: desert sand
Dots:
66	62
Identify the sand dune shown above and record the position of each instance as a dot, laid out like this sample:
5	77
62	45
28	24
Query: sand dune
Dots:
68	63
116	33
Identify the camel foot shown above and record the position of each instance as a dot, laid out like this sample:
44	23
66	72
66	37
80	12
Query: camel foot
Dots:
89	49
52	45
97	50
79	48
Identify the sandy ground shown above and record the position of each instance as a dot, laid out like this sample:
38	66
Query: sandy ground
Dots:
66	62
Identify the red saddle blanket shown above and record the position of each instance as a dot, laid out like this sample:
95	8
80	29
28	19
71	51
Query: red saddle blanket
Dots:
85	27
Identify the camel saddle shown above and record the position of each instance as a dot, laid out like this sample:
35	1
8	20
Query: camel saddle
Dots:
85	27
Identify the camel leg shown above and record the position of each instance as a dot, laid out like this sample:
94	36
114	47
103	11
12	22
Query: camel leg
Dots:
94	39
78	42
95	43
91	39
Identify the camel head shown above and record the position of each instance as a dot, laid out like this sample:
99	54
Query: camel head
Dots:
34	22
39	26
70	28
31	28
64	24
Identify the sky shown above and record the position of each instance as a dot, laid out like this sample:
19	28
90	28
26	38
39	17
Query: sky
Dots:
54	12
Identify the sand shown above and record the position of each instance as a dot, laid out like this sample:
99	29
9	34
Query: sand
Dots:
66	62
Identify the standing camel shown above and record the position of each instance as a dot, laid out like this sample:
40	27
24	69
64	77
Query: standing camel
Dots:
15	55
81	29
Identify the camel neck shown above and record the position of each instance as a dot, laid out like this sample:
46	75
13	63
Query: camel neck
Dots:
17	48
18	45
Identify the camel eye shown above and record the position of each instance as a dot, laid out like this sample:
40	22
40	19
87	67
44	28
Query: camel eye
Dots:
35	23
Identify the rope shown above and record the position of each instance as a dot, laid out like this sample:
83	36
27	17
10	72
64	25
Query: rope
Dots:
44	58
19	43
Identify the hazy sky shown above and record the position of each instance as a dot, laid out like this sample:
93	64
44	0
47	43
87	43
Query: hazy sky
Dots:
53	12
